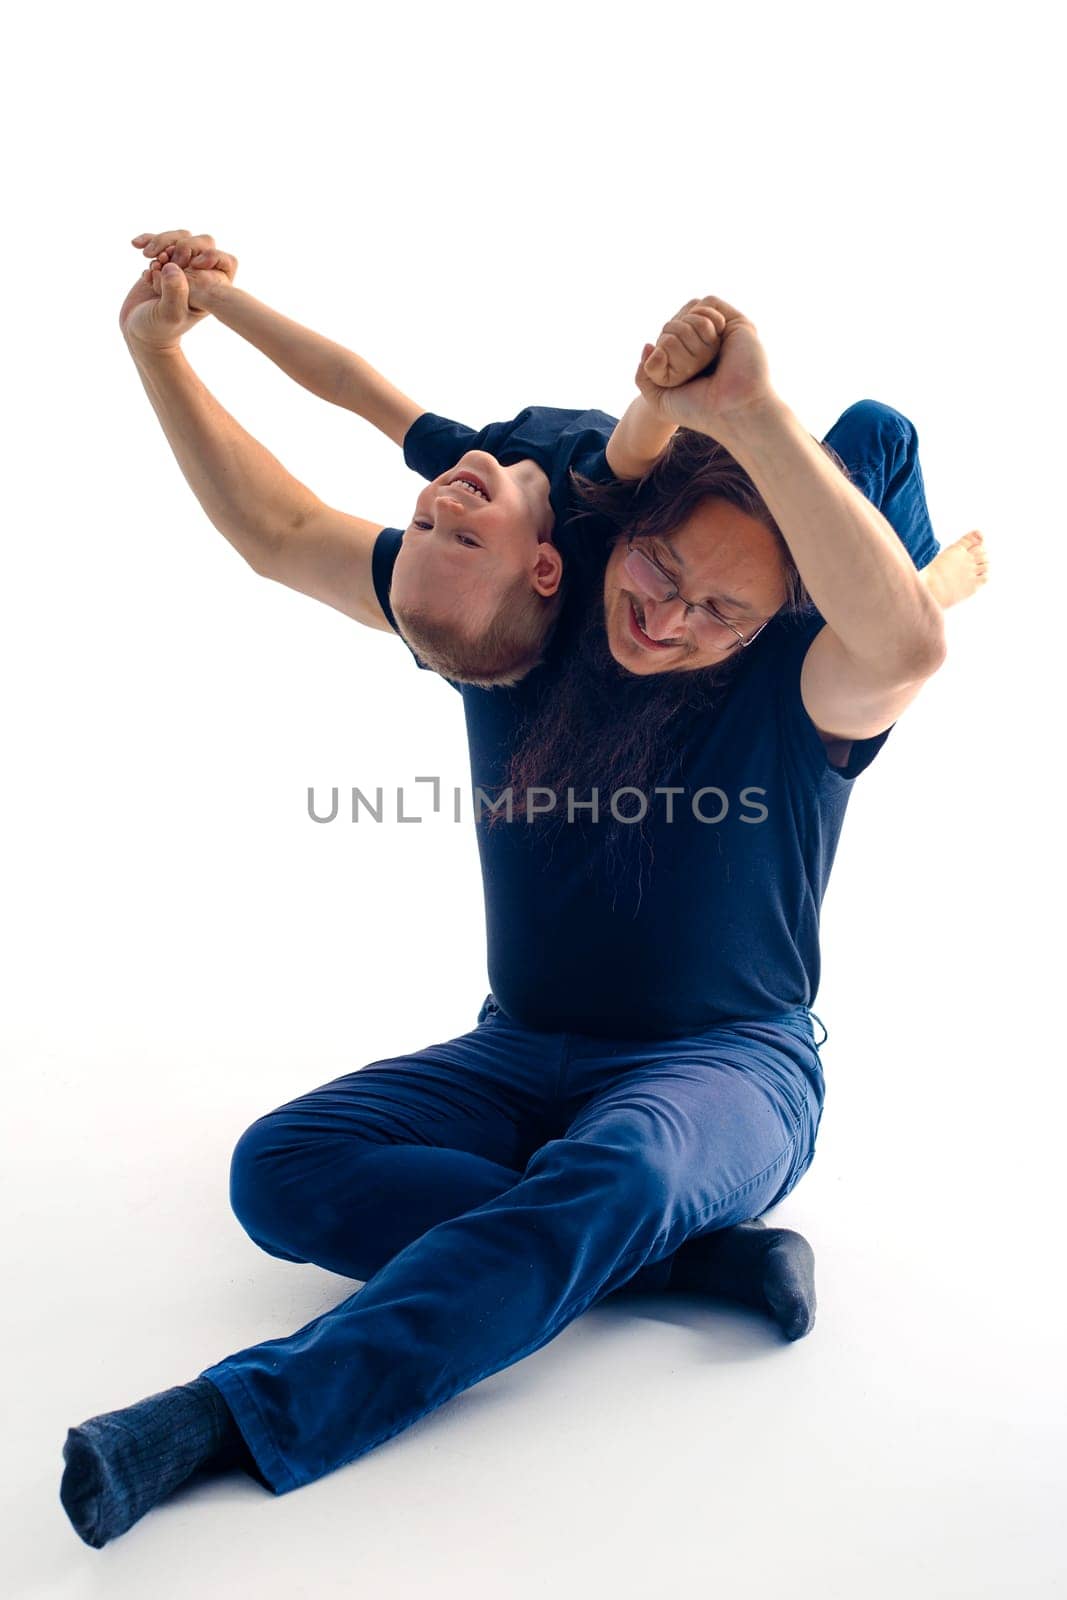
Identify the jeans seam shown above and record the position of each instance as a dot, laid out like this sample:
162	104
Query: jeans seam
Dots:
254	1407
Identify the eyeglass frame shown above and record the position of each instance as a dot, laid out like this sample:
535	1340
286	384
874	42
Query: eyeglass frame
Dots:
693	605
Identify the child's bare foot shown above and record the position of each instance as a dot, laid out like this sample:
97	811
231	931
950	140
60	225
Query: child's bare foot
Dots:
958	570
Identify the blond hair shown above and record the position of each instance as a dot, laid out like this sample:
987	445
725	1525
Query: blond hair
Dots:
511	645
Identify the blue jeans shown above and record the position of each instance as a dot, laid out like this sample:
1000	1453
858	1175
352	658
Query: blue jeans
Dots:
491	1189
880	448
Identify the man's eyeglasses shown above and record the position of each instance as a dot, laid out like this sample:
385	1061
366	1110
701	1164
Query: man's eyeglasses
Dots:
656	582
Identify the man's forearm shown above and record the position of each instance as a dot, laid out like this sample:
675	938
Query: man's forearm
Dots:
639	440
249	496
318	364
853	565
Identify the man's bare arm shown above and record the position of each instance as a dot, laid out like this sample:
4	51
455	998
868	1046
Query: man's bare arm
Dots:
885	632
277	524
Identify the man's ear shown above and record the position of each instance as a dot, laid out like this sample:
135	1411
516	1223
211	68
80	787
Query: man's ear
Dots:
547	573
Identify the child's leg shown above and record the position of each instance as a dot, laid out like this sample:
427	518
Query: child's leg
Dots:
880	448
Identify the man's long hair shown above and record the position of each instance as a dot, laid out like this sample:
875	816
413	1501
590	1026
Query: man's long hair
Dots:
596	726
693	468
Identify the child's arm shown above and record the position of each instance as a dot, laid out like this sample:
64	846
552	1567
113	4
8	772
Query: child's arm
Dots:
686	345
327	369
639	440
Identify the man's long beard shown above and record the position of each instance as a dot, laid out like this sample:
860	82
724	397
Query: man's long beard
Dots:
597	726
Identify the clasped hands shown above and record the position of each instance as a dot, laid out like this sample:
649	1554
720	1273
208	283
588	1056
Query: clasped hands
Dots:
707	366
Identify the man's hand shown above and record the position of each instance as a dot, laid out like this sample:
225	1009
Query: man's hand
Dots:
156	312
708	330
207	268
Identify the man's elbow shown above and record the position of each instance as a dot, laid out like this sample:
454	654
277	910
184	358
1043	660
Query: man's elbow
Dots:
924	651
922	645
263	554
260	563
939	653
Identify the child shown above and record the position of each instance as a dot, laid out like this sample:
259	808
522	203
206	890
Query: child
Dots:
477	585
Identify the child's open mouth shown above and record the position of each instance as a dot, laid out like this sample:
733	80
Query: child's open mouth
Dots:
467	480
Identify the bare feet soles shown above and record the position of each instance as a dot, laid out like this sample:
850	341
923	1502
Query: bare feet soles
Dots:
958	570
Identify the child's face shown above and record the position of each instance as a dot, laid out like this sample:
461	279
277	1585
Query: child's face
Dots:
469	541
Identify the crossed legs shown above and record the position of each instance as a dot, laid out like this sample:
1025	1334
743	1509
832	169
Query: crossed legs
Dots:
596	1161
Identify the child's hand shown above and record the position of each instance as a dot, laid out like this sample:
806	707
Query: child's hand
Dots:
737	381
685	347
207	269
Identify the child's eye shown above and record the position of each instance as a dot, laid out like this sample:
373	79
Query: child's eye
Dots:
461	538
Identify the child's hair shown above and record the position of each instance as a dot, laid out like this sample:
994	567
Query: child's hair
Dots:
511	646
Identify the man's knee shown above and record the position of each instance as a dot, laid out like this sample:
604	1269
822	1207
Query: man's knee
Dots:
283	1185
254	1177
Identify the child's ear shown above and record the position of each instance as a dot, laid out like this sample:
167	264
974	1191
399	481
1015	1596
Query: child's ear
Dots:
548	569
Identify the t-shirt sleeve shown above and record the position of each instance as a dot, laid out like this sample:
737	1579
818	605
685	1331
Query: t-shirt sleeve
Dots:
594	464
433	444
383	559
799	731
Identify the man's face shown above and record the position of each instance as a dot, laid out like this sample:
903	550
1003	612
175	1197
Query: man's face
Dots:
475	531
718	555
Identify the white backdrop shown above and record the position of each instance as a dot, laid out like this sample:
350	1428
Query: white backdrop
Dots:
498	206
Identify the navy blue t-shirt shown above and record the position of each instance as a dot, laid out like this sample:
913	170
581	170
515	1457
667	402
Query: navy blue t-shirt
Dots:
725	922
721	919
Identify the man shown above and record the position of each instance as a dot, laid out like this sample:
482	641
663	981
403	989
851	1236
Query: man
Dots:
640	1080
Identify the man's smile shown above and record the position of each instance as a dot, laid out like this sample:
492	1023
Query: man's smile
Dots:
637	632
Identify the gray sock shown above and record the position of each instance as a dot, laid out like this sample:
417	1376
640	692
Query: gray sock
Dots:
122	1463
770	1269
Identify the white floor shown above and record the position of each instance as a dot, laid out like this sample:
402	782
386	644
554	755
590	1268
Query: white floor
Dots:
912	1443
